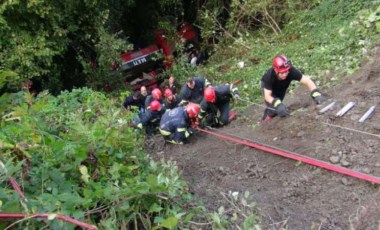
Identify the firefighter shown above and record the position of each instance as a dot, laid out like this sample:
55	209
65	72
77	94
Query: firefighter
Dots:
276	81
156	94
218	100
171	100
192	90
176	124
151	118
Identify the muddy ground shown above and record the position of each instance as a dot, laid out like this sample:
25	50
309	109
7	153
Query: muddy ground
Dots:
289	194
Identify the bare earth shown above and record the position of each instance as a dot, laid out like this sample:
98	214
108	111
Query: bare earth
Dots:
290	194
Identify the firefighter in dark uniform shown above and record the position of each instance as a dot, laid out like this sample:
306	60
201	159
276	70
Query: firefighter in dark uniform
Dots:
151	118
175	125
156	94
192	90
217	99
171	100
276	81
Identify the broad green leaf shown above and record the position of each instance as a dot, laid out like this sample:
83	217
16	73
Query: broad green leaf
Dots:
249	222
169	223
84	171
155	208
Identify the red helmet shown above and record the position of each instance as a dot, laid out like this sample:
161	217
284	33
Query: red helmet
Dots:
157	94
155	105
168	92
281	63
192	109
209	94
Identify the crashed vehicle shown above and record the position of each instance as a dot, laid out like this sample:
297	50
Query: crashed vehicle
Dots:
142	67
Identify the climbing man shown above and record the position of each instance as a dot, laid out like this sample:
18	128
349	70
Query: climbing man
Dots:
175	125
217	99
192	90
276	81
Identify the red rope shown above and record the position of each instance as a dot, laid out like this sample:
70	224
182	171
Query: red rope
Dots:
45	215
42	215
297	157
17	188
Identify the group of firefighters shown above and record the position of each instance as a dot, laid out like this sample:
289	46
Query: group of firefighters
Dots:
179	110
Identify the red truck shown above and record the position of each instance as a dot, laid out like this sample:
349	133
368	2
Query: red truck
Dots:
141	67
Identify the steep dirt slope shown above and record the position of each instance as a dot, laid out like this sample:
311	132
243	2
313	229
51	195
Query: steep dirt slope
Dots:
288	194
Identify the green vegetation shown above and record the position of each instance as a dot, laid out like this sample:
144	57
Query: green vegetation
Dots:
326	41
75	154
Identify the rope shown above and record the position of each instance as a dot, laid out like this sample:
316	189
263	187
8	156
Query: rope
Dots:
337	126
353	130
298	157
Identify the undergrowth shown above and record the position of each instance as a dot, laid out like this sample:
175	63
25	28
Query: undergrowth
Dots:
325	42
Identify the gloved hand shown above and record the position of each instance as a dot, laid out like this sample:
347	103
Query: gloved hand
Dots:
236	96
194	123
281	109
191	131
202	124
317	96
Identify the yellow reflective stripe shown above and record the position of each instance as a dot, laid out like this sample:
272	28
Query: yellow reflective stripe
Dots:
184	102
181	129
233	89
277	102
140	126
164	132
174	142
187	134
207	82
316	94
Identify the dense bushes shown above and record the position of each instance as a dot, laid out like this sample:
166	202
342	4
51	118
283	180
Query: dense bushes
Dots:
75	154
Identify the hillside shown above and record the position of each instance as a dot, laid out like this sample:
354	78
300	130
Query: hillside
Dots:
72	150
287	194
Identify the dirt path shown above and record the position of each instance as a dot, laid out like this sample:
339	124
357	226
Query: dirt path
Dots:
290	195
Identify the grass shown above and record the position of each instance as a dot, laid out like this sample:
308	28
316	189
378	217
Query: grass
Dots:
325	42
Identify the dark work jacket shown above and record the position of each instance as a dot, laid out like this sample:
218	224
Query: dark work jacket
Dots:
149	99
223	95
151	117
129	101
173	104
194	95
175	120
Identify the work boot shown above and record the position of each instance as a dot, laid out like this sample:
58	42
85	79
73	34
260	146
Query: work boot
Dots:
265	120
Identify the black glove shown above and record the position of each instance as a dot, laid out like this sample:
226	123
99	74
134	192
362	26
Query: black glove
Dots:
202	124
191	131
317	96
281	110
